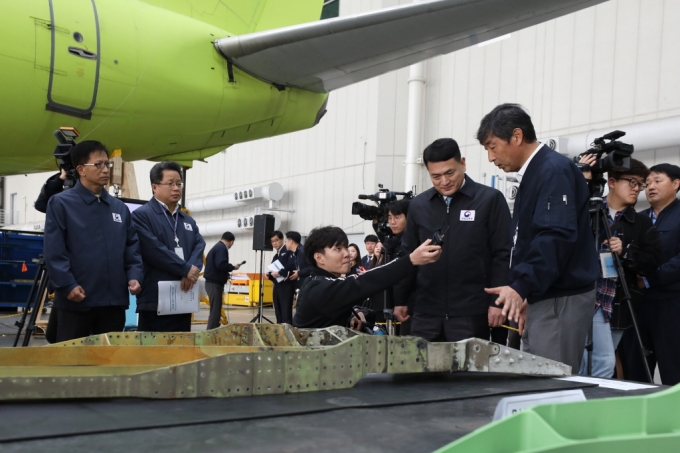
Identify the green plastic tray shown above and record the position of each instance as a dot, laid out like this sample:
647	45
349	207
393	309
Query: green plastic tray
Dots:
647	424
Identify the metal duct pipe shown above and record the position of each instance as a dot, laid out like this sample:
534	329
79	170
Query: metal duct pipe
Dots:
416	93
242	224
655	134
237	198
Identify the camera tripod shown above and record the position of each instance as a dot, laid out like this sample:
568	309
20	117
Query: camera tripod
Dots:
260	309
33	304
599	219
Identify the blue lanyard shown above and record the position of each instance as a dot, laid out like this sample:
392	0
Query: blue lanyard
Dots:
174	229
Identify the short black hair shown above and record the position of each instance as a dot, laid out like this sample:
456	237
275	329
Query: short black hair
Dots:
670	170
228	236
504	119
322	237
276	233
156	173
399	206
295	236
441	150
637	168
80	153
371	238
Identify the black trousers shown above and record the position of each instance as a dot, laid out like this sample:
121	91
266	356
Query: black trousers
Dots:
658	322
215	292
73	324
438	328
284	293
149	321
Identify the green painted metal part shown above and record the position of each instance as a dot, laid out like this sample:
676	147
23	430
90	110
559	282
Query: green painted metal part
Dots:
635	424
240	359
159	88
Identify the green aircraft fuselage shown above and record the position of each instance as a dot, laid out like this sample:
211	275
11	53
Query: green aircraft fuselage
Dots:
140	76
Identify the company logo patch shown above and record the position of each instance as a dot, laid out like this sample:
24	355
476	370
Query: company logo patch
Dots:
116	217
187	226
467	216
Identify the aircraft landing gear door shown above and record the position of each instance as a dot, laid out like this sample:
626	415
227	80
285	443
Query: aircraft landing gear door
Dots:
74	62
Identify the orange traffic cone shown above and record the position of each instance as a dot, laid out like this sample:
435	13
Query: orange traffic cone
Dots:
24	268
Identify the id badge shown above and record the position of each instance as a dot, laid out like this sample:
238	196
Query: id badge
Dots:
608	266
180	252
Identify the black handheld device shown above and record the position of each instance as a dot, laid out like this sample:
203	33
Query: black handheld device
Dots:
438	236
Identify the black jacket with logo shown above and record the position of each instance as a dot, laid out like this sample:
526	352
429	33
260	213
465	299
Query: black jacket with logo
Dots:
475	254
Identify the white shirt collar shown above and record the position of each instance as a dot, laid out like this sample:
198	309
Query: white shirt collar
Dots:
166	206
523	170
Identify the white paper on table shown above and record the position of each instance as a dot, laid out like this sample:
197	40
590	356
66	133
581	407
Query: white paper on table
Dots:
608	383
173	301
276	266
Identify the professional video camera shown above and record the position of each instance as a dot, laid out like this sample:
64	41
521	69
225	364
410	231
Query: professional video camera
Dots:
378	214
616	158
66	136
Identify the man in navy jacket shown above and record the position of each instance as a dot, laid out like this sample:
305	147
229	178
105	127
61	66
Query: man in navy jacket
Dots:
172	248
217	269
660	312
91	250
553	262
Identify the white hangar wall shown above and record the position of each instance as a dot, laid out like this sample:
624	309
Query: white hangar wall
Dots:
605	67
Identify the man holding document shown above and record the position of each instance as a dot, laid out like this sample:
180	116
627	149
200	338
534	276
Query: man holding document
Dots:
172	253
217	269
284	289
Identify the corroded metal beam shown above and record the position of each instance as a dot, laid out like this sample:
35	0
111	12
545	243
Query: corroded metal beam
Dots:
240	359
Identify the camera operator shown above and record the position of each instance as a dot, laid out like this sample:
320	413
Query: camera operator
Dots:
553	264
636	241
660	312
92	251
53	186
450	302
326	299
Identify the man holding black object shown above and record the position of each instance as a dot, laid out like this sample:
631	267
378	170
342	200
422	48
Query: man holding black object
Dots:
91	250
284	290
553	263
326	298
172	248
295	265
217	269
474	220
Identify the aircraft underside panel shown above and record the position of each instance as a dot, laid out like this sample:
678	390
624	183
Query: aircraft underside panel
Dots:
239	360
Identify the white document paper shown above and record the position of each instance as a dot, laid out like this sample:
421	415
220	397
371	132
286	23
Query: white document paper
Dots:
173	301
276	266
609	383
510	405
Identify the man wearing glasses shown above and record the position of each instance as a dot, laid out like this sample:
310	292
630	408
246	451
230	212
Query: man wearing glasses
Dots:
91	250
172	248
636	241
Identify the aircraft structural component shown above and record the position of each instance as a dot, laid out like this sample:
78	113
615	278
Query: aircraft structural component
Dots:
240	359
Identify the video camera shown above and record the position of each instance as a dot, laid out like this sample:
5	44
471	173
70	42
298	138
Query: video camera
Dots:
616	158
378	214
66	136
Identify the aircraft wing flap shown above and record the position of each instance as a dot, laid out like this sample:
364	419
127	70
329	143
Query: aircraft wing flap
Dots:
329	54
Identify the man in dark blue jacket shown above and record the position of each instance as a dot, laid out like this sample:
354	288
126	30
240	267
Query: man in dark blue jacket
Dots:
553	262
217	269
172	248
295	265
660	312
91	250
284	290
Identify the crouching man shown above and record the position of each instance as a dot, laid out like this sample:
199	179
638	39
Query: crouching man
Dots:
326	299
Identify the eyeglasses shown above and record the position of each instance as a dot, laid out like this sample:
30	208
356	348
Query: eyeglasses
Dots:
634	183
179	185
100	165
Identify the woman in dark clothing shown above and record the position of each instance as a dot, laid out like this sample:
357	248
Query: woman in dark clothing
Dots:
354	259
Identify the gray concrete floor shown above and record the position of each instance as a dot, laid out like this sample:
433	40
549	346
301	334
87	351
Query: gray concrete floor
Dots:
236	314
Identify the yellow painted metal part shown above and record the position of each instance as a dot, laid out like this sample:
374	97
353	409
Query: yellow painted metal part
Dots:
238	360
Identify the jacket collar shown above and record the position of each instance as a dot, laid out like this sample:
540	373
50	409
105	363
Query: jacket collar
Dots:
156	206
88	197
628	214
536	160
317	271
664	212
468	190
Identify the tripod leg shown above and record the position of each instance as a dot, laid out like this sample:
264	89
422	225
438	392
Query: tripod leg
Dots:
31	295
37	306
